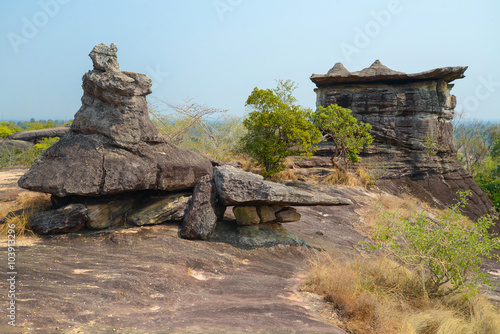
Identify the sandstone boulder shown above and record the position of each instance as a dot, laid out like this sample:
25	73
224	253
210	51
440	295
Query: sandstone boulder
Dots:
112	146
240	188
287	215
200	218
246	215
108	214
36	136
159	210
70	218
11	144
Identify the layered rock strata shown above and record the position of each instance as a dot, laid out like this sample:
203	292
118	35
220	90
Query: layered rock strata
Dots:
411	116
112	146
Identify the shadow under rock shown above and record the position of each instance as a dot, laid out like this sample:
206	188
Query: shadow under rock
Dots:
250	237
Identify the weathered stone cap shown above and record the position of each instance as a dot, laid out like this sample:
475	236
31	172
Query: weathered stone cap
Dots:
378	72
237	187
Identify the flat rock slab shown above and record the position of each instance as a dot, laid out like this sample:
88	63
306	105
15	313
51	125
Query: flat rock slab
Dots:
237	187
35	136
148	280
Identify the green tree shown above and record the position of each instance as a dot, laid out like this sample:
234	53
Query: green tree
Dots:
277	127
8	128
347	134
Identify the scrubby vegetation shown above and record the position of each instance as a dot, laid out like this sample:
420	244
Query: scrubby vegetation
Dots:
424	279
208	131
382	296
19	211
277	128
478	148
25	158
8	128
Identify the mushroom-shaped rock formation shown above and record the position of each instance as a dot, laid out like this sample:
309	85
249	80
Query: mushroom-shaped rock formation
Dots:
112	146
410	115
380	73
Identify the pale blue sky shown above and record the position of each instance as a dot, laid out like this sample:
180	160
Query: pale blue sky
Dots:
217	51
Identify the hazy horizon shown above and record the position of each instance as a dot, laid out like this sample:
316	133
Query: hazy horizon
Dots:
216	52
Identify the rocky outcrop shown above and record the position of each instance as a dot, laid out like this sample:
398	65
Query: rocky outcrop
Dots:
112	146
411	116
35	136
19	145
240	188
113	168
254	200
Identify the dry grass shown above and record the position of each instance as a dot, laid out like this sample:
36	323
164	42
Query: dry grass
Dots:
381	296
340	178
29	206
361	178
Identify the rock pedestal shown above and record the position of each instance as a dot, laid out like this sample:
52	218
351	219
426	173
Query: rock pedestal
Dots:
411	116
112	146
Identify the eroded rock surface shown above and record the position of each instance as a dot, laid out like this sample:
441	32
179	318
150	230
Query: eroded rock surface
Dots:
411	116
112	146
200	218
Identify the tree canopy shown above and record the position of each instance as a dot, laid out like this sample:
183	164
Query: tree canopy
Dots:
277	127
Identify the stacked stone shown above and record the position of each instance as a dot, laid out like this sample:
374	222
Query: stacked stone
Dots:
113	168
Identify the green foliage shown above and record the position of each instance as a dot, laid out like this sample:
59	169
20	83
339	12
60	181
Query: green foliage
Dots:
193	126
348	135
25	158
447	248
8	128
277	128
40	125
430	145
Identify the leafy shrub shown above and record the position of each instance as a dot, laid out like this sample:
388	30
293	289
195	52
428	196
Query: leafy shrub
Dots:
446	251
347	134
8	128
